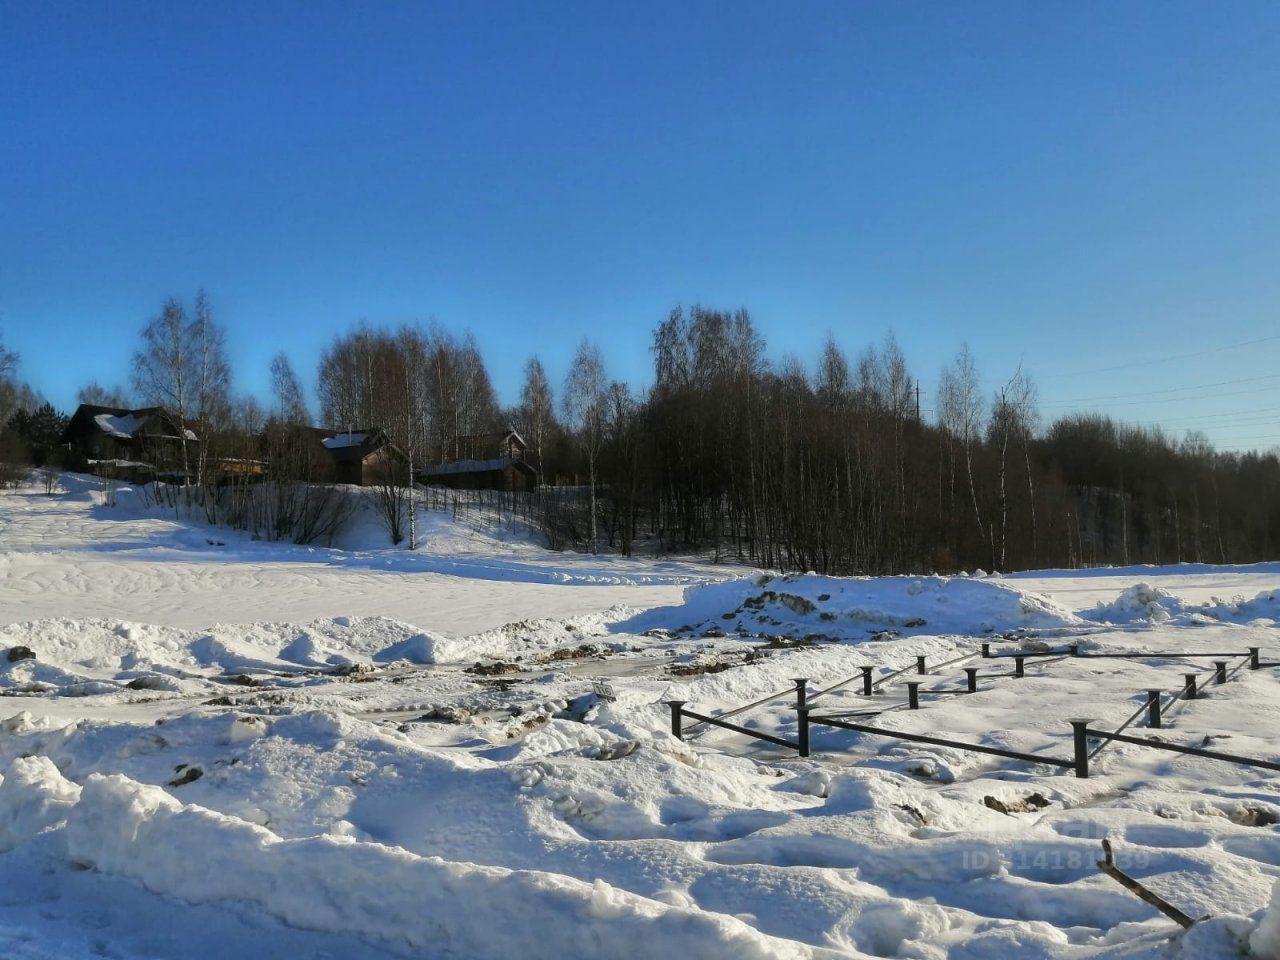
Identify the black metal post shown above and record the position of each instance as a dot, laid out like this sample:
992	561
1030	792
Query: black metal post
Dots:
1190	685
1080	744
677	724
1019	666
986	650
1153	708
1219	671
1253	657
971	674
913	694
867	687
802	693
1073	649
802	730
920	667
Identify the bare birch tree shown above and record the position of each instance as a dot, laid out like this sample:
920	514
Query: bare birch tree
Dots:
960	413
584	412
182	366
536	411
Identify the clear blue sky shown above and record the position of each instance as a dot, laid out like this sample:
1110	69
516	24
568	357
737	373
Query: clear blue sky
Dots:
1076	185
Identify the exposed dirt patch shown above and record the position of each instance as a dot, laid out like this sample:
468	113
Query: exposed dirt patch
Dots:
715	666
1028	804
580	652
494	669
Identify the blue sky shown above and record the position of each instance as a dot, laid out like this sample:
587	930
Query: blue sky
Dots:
1074	186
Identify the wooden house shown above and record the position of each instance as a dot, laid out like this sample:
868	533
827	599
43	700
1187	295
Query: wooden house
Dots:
364	458
483	461
136	445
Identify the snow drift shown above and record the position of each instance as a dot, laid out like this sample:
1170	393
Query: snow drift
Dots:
120	827
852	608
73	651
1144	602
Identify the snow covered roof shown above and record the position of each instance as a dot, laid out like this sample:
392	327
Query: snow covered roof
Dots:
155	423
468	466
121	463
340	440
123	426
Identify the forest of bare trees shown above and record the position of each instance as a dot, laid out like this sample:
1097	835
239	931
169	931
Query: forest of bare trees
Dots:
728	453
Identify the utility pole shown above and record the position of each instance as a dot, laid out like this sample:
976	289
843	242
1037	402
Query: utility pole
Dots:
918	420
412	442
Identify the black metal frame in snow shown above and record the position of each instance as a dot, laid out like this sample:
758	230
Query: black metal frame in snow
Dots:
678	713
804	698
1081	731
1190	690
1192	751
827	721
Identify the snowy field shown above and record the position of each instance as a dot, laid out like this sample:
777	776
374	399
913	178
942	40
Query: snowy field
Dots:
213	747
71	556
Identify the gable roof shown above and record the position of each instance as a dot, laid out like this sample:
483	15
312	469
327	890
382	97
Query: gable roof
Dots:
474	466
347	445
492	435
122	423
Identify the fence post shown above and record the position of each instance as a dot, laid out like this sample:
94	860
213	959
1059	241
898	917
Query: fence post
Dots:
1019	665
1190	685
677	718
1219	671
986	650
1073	649
801	693
1253	657
920	667
802	730
1153	708
1080	744
971	673
867	686
913	694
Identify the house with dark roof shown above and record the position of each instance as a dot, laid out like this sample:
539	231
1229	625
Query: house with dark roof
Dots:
482	461
364	457
137	445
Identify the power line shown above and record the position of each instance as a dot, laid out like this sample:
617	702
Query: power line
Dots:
1169	359
1245	446
1247	437
1149	399
1246	414
1158	393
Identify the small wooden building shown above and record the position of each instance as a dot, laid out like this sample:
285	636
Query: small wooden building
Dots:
364	458
484	461
497	474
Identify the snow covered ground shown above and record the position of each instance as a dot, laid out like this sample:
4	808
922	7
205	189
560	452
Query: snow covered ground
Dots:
72	556
256	749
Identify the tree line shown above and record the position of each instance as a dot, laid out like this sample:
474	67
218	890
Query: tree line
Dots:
829	466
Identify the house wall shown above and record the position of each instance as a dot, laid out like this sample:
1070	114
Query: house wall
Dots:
508	478
374	467
348	471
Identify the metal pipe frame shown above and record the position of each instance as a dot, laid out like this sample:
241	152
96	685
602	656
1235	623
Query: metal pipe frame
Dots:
829	721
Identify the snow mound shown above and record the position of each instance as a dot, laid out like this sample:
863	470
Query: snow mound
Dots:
1264	942
76	651
1264	608
1141	602
851	608
118	826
